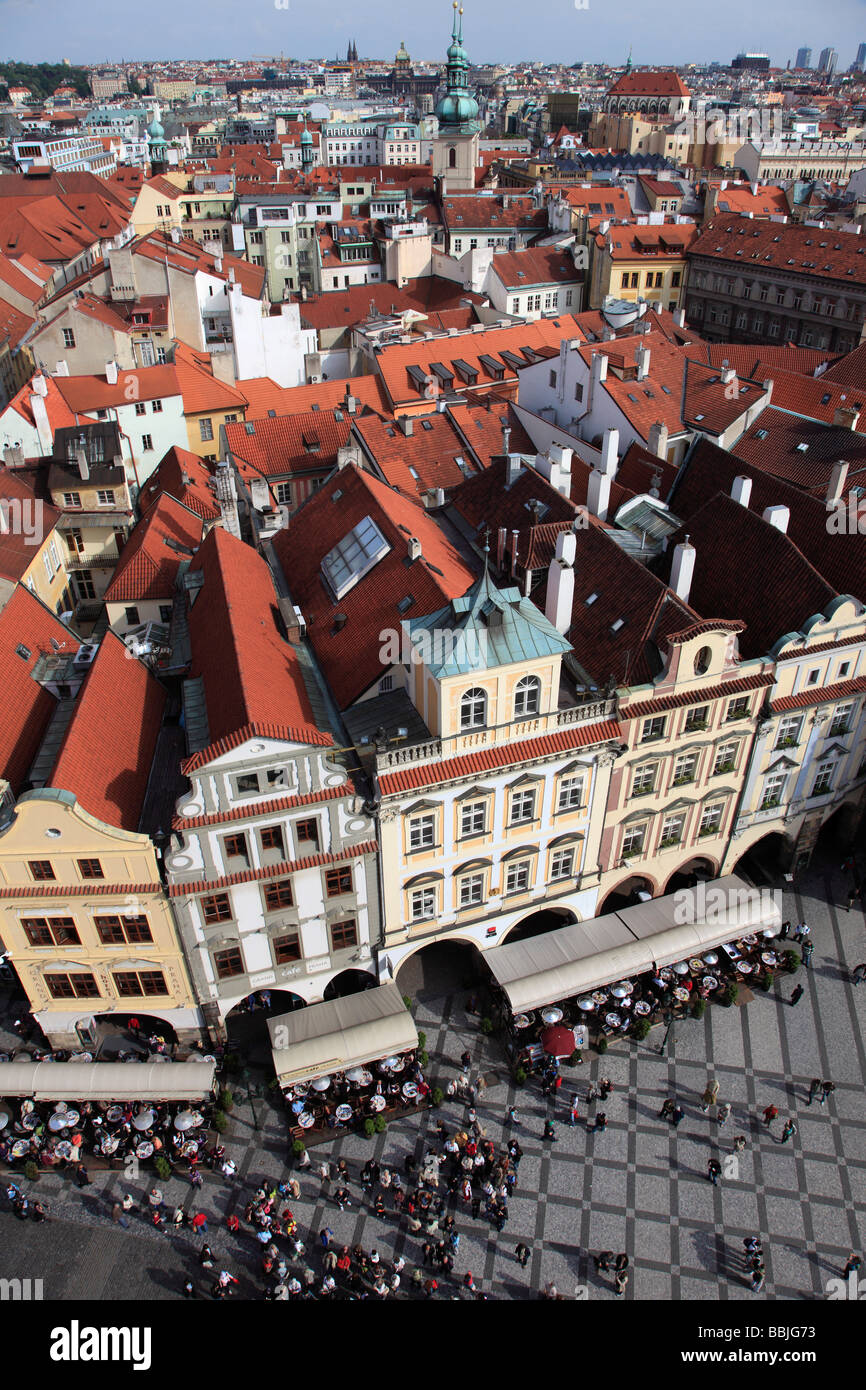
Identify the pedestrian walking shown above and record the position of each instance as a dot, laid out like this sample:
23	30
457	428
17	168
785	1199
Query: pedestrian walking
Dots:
600	1123
814	1090
468	1281
724	1112
853	895
199	1223
667	1110
739	1143
326	1235
602	1261
188	1289
756	1280
858	974
827	1089
802	931
677	1116
714	1171
466	1062
549	1131
853	1264
521	1254
808	948
796	996
770	1114
620	1280
789	1129
575	1112
786	927
710	1095
592	1094
604	1088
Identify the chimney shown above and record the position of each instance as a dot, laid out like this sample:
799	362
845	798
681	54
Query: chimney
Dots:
598	493
609	447
778	517
438	497
40	417
218	264
111	373
683	569
175	235
598	374
83	466
513	470
846	417
514	539
754	187
61	368
351	405
406	425
836	485
14	456
501	538
643	363
728	375
560	582
741	491
4	518
680	317
414	548
39	385
657	440
767	387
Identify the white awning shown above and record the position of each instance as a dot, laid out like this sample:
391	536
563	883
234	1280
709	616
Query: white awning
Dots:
579	958
325	1038
108	1080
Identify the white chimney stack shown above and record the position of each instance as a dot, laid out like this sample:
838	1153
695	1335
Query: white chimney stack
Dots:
741	491
560	583
598	493
778	517
501	538
513	470
414	548
40	417
836	485
683	569
657	440
680	317
607	464
111	373
643	363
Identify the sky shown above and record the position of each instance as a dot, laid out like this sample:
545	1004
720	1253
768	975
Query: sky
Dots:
662	31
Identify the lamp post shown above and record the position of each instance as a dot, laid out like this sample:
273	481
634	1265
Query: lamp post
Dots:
669	1020
252	1092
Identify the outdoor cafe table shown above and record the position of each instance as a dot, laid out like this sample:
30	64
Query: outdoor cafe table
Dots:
613	1020
144	1150
682	995
31	1121
58	1122
410	1090
769	958
20	1148
377	1102
551	1015
744	967
305	1120
522	1021
343	1112
710	982
642	1007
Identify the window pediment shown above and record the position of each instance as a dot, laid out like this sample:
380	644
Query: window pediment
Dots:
572	838
781	765
523	852
418	806
421	879
475	794
472	867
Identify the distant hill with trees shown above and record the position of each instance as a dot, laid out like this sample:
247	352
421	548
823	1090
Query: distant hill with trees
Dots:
43	79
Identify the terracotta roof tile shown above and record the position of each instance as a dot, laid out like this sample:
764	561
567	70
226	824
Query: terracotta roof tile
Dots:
26	630
310	861
150	561
287	445
815	252
187	478
827	694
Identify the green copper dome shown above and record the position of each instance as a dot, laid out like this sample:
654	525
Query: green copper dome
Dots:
155	130
306	137
457	107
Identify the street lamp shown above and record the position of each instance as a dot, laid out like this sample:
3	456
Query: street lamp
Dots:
252	1092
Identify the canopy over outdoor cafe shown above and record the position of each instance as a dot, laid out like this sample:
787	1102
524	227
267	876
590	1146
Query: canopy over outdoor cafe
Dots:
637	963
108	1081
345	1060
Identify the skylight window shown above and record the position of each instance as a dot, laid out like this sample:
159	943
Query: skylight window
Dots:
615	627
426	425
353	557
801	448
591	600
761	434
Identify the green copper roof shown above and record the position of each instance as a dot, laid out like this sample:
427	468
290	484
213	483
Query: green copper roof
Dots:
487	627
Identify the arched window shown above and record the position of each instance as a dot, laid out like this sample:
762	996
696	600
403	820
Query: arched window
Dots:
473	709
452	158
527	696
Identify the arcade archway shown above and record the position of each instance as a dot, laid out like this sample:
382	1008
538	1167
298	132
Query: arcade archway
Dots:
626	894
696	870
539	923
349	982
440	968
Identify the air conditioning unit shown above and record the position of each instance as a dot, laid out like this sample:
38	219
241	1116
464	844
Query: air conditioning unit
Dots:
86	652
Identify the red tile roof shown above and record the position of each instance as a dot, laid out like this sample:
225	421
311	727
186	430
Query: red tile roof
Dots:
661	188
106	756
539	265
19	545
849	370
481	427
341	308
819	696
747	359
723	690
27	624
252	678
644	402
149	563
349	655
465	213
431	451
769	200
773	440
91	393
485	500
263	395
187	478
187	256
263	808
488	760
642	82
24	276
815	252
669	241
59	414
290	444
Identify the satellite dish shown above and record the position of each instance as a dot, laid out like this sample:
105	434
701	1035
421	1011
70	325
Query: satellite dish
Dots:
57	646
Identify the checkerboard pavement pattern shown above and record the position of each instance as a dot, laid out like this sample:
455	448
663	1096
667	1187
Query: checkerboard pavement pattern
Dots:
640	1186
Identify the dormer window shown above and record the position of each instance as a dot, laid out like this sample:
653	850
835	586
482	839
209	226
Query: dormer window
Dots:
527	697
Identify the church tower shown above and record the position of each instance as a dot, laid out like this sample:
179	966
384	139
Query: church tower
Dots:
455	149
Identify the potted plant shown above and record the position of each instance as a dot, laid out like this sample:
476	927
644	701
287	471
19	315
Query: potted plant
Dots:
520	1076
220	1122
422	1040
370	1126
640	1029
767	982
380	1124
31	1171
437	1095
487	1026
298	1148
226	1100
407	1001
601	1044
699	1008
732	993
790	962
422	1057
162	1166
576	1058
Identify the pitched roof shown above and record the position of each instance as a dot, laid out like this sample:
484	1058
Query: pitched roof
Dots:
19	544
773	444
849	370
253	683
485	500
263	394
188	257
749	359
90	392
421	462
348	652
539	265
652	82
340	308
740	555
659	396
107	753
200	389
656	243
186	477
466	212
59	414
24	276
817	252
289	444
768	201
26	630
150	560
